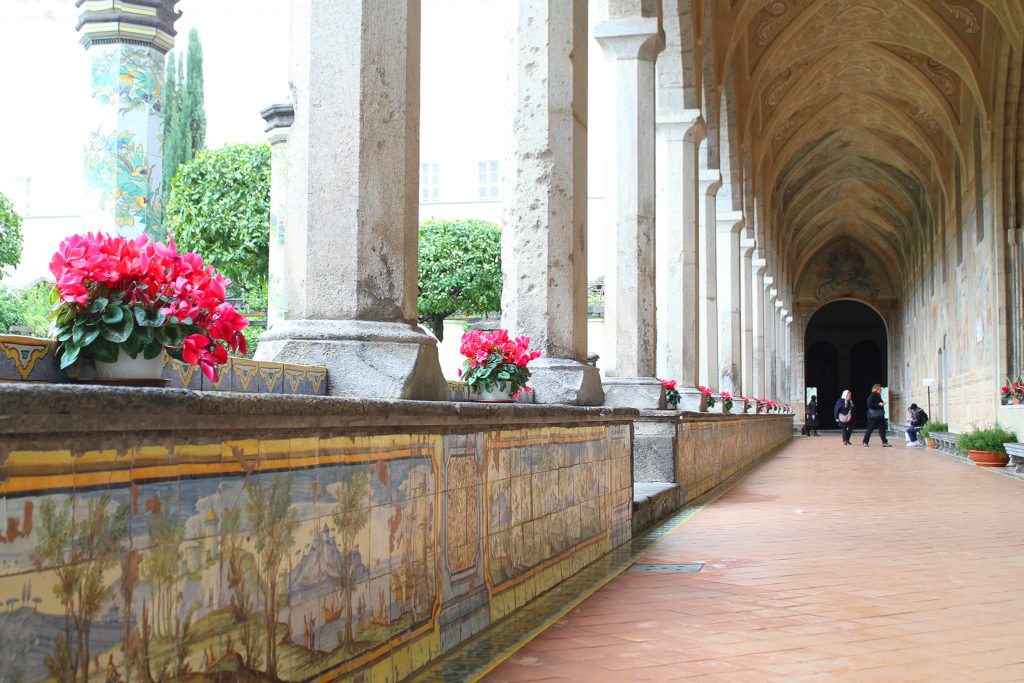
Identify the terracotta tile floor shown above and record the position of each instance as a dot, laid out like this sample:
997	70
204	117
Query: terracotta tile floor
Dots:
825	563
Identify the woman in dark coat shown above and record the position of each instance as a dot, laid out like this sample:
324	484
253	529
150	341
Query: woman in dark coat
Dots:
811	418
876	417
844	411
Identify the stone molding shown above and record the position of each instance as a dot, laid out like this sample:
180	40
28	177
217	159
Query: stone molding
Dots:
139	22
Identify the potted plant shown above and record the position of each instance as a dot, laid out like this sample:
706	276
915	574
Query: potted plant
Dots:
709	397
985	446
495	364
671	393
122	302
747	402
726	401
931	426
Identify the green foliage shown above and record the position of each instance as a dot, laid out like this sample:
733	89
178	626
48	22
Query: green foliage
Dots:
10	235
184	112
990	439
932	426
13	309
460	270
220	208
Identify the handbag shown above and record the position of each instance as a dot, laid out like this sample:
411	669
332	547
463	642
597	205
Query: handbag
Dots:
846	417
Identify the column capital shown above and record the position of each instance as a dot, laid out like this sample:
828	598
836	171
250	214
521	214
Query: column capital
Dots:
778	303
144	22
279	118
759	266
789	319
729	221
768	282
684	120
709	180
631	38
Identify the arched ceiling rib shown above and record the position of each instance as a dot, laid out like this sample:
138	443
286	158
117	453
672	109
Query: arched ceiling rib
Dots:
856	113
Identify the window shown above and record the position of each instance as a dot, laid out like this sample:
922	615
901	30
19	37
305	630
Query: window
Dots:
430	183
487	180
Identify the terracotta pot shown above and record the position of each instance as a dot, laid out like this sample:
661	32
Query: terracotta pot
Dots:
988	459
931	442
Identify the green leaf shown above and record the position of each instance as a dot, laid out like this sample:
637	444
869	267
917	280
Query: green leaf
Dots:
118	333
152	350
113	314
98	304
70	355
104	351
170	335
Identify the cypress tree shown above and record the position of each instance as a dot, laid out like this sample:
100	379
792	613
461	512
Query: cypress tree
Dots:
194	109
172	122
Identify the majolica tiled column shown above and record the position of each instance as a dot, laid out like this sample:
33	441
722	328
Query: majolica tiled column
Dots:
678	135
127	44
353	178
631	43
279	118
544	245
730	363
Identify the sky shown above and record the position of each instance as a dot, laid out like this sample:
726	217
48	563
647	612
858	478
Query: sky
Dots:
46	72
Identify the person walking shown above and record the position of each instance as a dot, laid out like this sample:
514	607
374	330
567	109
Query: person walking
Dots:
844	415
876	417
811	417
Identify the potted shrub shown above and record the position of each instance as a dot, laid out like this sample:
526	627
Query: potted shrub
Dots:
709	396
495	364
671	393
985	446
932	426
726	401
122	302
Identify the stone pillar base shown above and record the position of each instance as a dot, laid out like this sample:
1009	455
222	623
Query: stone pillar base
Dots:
693	400
364	359
562	380
643	393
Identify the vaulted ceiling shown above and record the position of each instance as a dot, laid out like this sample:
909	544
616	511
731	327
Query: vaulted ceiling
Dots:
857	117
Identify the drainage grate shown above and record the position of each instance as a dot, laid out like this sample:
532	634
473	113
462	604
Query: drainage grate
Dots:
666	568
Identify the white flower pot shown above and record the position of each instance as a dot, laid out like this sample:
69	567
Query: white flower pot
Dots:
126	367
495	395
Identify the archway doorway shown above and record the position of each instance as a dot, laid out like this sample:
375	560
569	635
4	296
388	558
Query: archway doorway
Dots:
847	348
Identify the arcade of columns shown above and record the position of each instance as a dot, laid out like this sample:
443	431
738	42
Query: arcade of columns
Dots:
768	158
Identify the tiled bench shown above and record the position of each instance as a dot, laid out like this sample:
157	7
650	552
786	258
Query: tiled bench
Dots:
1016	453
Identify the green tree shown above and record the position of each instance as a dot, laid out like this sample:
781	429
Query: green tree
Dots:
184	111
274	522
193	110
220	208
10	235
460	270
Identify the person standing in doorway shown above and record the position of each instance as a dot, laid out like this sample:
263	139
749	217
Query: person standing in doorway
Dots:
811	417
844	415
876	417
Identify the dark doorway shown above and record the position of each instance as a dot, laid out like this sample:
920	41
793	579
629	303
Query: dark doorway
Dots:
846	349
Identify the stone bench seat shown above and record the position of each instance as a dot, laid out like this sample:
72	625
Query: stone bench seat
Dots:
945	441
1016	453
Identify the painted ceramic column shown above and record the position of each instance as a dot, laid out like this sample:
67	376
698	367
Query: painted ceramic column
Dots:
758	267
279	118
544	245
787	336
730	363
631	43
769	336
746	314
679	133
352	228
709	182
127	45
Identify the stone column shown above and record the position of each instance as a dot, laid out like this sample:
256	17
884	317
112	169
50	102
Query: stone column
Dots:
777	356
631	43
124	152
279	118
678	135
746	314
758	267
544	245
787	384
710	181
769	336
730	362
352	229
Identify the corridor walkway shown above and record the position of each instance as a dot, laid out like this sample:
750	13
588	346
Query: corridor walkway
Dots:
825	563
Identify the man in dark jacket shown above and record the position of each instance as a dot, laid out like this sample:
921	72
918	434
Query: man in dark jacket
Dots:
917	419
876	416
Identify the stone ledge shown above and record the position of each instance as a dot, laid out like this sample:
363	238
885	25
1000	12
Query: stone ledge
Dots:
653	501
